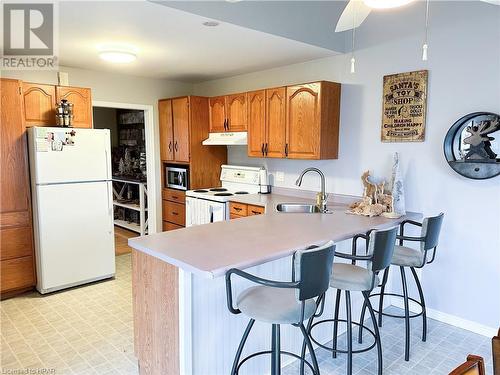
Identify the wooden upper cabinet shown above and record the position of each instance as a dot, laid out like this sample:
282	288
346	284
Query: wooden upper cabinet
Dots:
82	104
166	130
275	122
256	123
180	114
312	120
217	109
39	104
14	196
236	108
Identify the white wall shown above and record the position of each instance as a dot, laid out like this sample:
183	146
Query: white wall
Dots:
464	76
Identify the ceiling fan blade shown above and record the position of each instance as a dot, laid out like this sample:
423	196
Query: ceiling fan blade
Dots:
494	2
353	15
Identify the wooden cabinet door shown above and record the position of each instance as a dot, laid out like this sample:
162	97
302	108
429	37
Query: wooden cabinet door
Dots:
217	108
82	104
303	121
14	196
275	122
166	130
39	104
16	242
180	114
256	123
236	107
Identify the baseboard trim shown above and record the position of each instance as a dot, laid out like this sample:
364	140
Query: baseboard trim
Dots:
453	320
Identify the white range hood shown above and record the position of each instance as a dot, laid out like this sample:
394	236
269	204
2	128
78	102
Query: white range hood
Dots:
226	139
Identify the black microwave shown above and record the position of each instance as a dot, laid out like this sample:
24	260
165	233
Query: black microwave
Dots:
176	177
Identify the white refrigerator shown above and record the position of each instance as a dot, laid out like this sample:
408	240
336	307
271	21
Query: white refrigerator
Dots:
72	206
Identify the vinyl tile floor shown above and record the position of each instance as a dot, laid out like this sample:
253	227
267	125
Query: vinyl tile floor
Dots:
89	330
446	348
84	330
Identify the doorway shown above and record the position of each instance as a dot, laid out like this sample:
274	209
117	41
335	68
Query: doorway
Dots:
133	166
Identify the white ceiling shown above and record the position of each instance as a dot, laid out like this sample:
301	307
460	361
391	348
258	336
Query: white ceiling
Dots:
171	43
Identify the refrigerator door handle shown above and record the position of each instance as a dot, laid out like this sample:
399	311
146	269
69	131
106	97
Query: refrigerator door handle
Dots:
110	209
107	165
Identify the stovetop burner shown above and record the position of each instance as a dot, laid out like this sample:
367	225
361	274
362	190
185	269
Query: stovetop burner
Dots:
241	192
218	189
223	194
201	191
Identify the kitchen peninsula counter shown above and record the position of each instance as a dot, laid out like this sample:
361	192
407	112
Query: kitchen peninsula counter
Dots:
181	321
210	250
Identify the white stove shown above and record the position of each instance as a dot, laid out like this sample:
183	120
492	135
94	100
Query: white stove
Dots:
211	204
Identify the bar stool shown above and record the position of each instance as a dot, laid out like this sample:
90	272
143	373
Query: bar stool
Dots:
412	258
279	302
351	277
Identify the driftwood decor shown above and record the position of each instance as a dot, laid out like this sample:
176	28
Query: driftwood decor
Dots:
375	199
404	107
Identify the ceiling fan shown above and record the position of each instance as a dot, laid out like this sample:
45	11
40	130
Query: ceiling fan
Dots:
356	11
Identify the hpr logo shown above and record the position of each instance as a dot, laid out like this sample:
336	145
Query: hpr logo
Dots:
28	29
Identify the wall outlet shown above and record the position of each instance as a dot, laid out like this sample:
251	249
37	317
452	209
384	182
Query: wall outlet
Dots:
280	176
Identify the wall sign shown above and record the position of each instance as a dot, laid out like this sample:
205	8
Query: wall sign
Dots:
404	107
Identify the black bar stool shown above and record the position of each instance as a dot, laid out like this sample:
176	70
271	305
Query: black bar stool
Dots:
412	258
351	277
278	302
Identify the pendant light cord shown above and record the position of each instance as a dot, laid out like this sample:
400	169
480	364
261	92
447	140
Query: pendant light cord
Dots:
353	60
426	35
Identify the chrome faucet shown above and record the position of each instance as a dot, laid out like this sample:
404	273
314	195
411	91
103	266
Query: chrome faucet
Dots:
322	197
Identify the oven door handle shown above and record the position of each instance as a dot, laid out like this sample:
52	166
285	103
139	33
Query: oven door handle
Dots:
211	211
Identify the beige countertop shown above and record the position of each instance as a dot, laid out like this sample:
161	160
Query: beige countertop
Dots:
210	250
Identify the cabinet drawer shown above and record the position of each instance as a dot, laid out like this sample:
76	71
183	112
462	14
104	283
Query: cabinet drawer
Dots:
174	195
170	226
233	216
15	243
17	273
174	212
238	209
255	210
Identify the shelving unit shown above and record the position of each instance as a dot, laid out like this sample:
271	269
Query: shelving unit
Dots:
142	226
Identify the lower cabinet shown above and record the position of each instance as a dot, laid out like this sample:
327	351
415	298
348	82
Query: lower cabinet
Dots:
238	210
17	273
170	226
173	209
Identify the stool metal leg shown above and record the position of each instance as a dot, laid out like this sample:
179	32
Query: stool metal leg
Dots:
422	303
308	330
336	323
275	351
407	314
377	333
381	298
234	371
349	331
307	340
361	320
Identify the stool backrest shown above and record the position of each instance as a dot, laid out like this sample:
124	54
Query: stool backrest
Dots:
431	227
381	247
313	268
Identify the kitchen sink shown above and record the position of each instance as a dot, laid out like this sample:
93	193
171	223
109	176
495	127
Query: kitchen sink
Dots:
298	208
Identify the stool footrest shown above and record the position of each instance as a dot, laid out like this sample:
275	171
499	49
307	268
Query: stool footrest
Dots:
341	350
270	352
414	315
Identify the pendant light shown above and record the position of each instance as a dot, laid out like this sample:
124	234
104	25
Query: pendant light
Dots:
353	59
425	45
